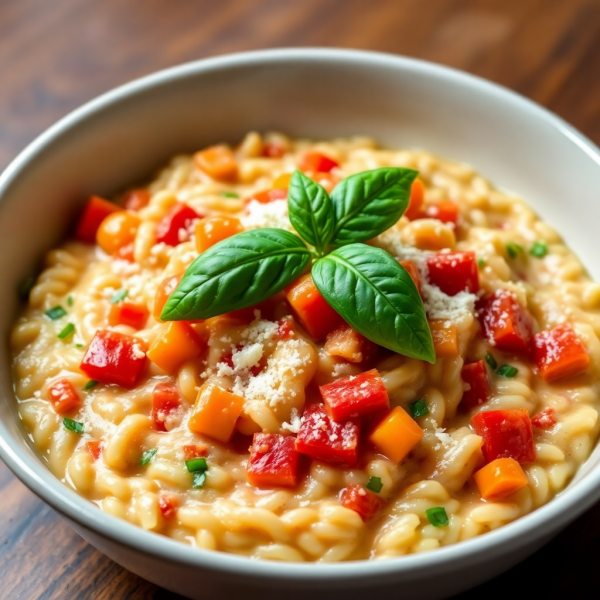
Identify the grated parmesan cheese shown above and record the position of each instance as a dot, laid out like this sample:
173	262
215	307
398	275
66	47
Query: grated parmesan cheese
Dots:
271	214
295	422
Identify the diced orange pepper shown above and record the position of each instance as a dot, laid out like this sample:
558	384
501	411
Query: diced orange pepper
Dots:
216	412
415	204
445	338
63	396
500	479
117	230
396	435
128	313
93	448
95	211
175	344
164	290
136	199
211	230
218	162
559	353
317	162
344	342
282	182
413	271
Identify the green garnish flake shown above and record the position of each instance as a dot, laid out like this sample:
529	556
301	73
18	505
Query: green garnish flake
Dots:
481	262
514	249
374	484
507	371
25	287
199	479
92	383
147	457
67	332
437	516
74	426
539	249
69	300
79	345
418	408
119	295
55	312
490	360
196	464
230	195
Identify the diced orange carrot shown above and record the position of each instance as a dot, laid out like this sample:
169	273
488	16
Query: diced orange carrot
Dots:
128	313
415	204
344	342
164	290
396	435
211	230
445	338
216	412
117	230
176	343
218	162
500	479
95	211
282	182
136	199
413	271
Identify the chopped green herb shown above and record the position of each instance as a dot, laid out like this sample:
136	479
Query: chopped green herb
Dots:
490	360
199	479
69	300
230	195
25	287
147	457
79	345
74	426
481	262
418	408
507	371
196	464
539	249
92	383
55	313
374	484
437	516
514	249
119	295
67	332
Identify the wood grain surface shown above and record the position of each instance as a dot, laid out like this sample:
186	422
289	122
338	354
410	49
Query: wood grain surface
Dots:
57	54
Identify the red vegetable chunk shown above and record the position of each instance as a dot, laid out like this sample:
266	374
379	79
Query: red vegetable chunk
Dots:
506	434
267	196
93	448
545	419
317	163
361	500
165	400
454	272
273	461
477	390
128	313
323	439
559	353
445	211
168	504
176	226
63	396
506	324
95	211
114	357
355	396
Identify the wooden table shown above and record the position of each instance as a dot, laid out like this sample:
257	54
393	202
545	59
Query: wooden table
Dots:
55	55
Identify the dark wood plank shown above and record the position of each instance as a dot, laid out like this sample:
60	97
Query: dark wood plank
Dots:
56	55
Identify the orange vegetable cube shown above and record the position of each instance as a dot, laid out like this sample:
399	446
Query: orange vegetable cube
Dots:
136	199
176	344
396	435
63	396
164	290
500	479
445	338
346	343
216	412
415	204
211	230
411	268
218	162
559	353
128	313
282	182
117	230
95	211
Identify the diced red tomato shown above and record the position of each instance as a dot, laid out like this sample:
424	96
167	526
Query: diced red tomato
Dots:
273	462
506	324
317	162
477	390
191	451
95	211
361	500
321	438
347	344
285	329
114	357
164	290
454	272
165	400
176	226
168	504
355	396
411	268
273	150
506	434
559	353
128	313
136	199
93	448
63	396
444	210
545	419
267	196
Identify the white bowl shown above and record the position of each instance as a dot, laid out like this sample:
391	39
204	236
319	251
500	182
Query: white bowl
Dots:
122	136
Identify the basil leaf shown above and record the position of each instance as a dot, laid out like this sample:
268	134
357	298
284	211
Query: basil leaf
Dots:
368	203
377	297
238	272
310	210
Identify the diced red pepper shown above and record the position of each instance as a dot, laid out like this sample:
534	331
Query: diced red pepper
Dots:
95	211
454	272
165	400
506	324
411	268
136	199
506	434
317	162
545	419
285	329
114	357
273	462
355	396
128	313
559	353
168	504
176	226
267	196
63	396
191	451
444	210
477	390
94	448
321	438
273	150
361	500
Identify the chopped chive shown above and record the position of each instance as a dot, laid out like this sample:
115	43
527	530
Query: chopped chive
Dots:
199	479
539	249
490	360
69	300
25	287
92	383
196	464
74	426
418	408
67	332
230	195
374	484
514	249
437	516
118	296
56	312
507	371
481	262
147	457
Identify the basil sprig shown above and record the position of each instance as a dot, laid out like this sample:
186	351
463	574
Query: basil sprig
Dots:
365	285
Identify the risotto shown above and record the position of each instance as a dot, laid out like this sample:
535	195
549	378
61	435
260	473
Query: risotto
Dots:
232	408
